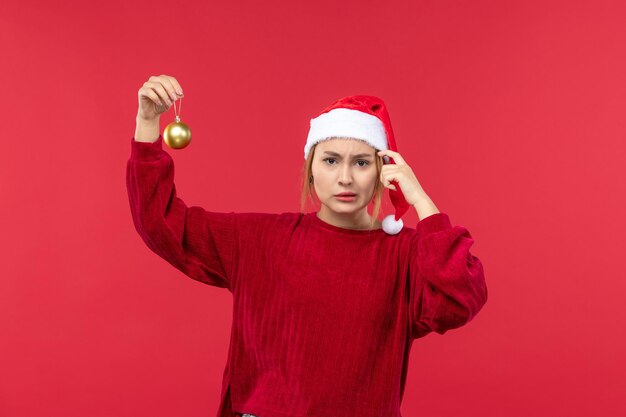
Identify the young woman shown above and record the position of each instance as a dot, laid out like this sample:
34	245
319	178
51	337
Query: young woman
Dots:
326	304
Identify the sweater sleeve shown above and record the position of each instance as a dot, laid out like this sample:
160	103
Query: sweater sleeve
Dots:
199	243
448	282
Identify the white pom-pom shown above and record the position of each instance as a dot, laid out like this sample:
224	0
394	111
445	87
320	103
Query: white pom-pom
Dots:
391	225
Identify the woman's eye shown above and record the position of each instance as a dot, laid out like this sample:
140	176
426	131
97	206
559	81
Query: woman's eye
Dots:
333	159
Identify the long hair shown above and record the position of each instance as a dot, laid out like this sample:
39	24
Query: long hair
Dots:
308	191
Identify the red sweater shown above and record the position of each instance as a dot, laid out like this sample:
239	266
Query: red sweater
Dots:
323	316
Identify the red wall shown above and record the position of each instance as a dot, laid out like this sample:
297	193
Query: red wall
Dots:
511	115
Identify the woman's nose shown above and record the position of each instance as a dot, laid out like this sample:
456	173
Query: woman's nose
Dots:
346	176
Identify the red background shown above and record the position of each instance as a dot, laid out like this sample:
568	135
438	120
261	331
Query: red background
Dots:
511	115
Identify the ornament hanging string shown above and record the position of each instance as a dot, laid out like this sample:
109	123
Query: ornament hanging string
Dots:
177	114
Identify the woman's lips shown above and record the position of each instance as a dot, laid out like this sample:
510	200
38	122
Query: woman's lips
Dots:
346	197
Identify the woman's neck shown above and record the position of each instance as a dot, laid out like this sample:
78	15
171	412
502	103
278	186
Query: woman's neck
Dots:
359	221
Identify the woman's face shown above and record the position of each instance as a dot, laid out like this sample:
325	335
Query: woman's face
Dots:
344	165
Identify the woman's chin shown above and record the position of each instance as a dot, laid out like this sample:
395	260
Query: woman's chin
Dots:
345	207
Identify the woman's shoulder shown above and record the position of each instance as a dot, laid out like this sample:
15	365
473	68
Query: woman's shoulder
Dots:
259	220
267	217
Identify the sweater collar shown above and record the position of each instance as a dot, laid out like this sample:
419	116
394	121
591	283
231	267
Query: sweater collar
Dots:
312	216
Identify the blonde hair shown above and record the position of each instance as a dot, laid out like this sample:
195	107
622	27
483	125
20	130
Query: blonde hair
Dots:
308	191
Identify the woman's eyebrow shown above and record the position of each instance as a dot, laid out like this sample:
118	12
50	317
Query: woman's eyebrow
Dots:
360	155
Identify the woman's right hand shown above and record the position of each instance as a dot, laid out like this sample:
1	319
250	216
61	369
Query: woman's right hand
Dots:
157	95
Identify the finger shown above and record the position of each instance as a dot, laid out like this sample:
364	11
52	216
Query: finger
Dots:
388	184
169	87
152	95
160	108
397	158
395	155
386	179
390	172
391	169
177	87
158	88
391	177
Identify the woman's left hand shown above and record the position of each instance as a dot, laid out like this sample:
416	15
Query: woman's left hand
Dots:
402	173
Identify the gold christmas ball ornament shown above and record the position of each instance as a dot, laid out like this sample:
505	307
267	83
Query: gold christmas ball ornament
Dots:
177	135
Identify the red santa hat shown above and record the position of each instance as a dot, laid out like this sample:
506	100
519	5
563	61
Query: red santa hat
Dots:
366	118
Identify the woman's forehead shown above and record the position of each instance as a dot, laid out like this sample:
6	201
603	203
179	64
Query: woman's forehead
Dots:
345	145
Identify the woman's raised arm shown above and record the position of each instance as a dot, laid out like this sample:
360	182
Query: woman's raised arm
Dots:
199	243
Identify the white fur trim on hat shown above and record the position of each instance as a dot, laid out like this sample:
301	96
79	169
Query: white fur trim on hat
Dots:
342	122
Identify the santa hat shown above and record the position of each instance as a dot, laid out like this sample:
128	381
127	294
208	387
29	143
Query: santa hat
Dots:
366	118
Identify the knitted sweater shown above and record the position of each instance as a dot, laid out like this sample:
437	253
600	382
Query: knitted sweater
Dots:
323	316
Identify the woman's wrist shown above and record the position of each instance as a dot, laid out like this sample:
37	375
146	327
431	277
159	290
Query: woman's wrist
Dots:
147	130
425	207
